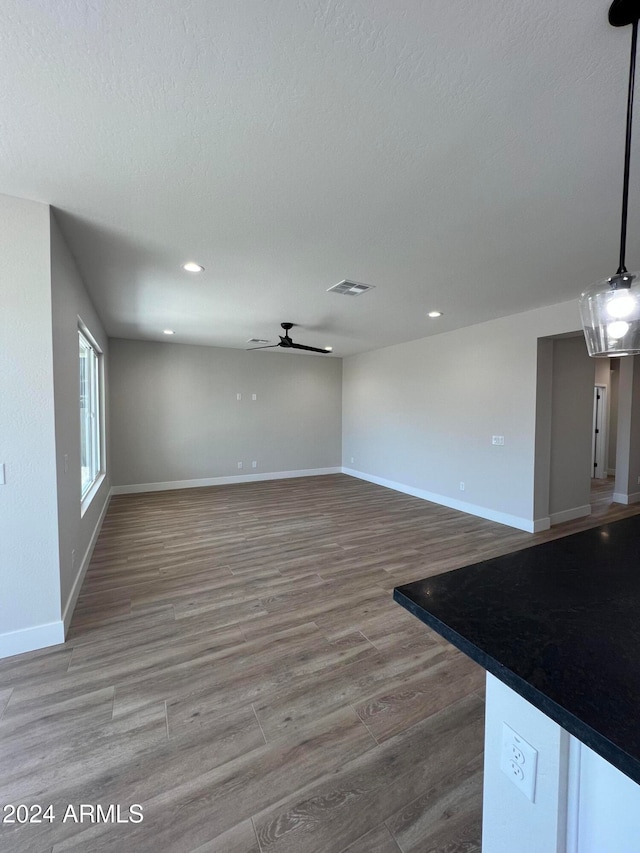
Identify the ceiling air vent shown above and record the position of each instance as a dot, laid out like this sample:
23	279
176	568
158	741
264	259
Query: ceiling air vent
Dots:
350	288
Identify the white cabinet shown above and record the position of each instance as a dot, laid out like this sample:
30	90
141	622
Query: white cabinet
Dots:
582	804
608	807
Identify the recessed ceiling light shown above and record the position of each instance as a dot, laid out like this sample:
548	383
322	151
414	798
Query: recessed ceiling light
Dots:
434	314
168	332
329	349
192	266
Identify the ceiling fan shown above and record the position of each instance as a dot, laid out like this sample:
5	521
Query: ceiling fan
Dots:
287	343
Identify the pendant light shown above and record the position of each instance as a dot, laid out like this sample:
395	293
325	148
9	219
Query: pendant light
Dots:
610	309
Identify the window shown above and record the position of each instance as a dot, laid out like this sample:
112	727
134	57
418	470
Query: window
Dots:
90	419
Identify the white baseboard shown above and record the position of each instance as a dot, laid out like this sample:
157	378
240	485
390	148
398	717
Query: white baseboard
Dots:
621	498
570	514
84	565
611	472
540	524
220	481
30	639
462	506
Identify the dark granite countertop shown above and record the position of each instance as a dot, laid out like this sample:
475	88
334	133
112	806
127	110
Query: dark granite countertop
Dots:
559	623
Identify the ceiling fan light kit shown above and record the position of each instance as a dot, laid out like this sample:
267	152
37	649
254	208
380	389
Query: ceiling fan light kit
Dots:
610	309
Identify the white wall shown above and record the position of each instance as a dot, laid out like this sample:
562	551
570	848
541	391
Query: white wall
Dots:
614	376
420	416
30	614
627	488
70	301
175	418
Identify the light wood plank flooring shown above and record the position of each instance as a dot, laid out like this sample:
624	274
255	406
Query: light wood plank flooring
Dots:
236	665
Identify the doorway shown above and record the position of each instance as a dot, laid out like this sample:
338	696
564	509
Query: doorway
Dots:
564	430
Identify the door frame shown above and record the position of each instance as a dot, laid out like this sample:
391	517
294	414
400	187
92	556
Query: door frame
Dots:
599	433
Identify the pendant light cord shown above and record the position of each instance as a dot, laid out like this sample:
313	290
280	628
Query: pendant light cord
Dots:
627	150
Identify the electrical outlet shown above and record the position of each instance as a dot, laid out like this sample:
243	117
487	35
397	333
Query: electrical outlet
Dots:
352	460
461	486
254	464
239	465
238	396
519	761
254	396
497	440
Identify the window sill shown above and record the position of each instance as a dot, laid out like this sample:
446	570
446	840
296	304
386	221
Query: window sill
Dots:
86	500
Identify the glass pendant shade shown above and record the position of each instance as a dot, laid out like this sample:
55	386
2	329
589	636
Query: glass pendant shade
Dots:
610	309
610	312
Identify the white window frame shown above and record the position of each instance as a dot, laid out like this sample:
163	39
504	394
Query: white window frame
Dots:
91	409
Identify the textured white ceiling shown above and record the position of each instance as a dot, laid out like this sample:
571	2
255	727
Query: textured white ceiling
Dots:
460	156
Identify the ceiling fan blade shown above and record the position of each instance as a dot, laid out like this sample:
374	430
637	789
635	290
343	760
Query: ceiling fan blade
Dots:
309	349
287	343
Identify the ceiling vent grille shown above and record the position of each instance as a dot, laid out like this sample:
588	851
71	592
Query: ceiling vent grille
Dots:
350	288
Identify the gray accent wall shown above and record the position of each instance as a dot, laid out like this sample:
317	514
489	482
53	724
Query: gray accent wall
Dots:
70	303
175	415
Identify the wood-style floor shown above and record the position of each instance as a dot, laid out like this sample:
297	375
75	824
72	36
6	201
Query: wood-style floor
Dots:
236	665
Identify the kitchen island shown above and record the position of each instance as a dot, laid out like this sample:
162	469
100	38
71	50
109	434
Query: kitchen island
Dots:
557	627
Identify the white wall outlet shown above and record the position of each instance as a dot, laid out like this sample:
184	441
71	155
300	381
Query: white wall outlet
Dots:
519	761
238	396
497	440
461	486
254	396
2	474
254	464
352	459
239	465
